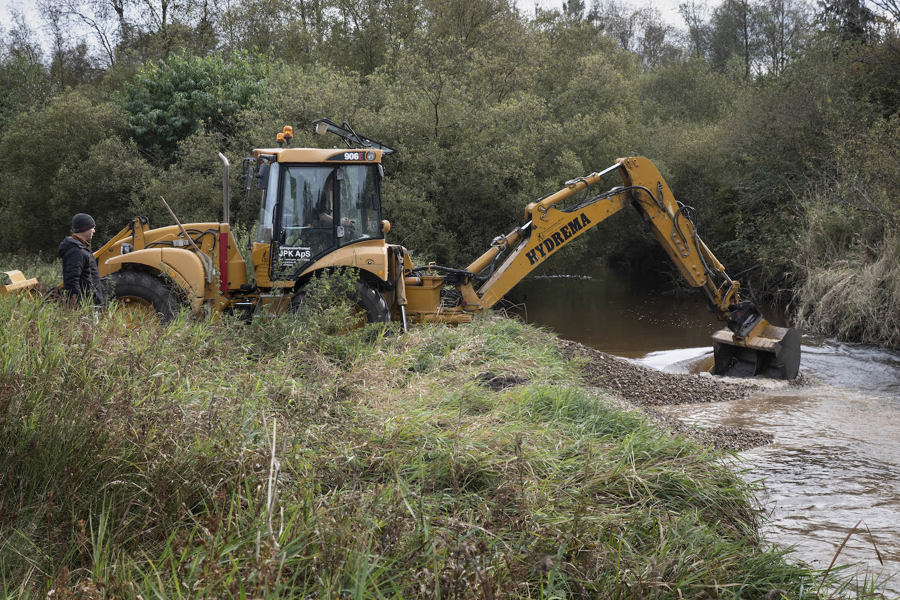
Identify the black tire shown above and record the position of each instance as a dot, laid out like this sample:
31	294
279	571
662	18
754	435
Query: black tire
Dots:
368	299
143	292
364	296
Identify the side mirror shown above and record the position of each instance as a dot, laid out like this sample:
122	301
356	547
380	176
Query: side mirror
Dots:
262	176
321	128
247	173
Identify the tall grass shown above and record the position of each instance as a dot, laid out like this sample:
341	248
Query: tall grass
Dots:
848	249
275	459
856	296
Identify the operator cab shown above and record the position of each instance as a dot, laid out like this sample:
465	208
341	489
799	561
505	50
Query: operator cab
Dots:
315	201
310	210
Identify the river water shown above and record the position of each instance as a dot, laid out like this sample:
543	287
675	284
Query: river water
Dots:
835	460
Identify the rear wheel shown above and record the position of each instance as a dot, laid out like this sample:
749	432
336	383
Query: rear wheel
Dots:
369	302
372	302
143	296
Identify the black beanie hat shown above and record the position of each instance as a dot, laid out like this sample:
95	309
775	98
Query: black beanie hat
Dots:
82	222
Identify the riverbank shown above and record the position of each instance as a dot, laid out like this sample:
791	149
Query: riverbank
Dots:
279	459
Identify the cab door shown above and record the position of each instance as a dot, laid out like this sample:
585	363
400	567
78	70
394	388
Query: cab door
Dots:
304	218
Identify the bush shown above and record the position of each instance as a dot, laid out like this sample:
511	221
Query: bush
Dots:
168	100
83	166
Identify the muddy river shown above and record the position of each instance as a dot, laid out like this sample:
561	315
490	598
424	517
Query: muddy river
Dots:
835	461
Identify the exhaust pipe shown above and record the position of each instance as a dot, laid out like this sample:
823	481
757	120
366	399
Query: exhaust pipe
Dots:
226	189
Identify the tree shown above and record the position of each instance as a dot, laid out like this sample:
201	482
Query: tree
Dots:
574	9
694	14
780	28
685	93
359	33
83	166
290	30
617	21
23	78
891	7
70	63
731	38
854	20
469	22
848	247
639	31
105	19
53	16
655	46
168	100
141	30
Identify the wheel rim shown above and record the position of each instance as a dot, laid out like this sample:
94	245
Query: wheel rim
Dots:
136	309
357	319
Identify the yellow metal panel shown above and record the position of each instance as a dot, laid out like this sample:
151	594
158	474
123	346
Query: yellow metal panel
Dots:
369	256
182	266
423	294
319	155
236	271
551	229
259	256
675	235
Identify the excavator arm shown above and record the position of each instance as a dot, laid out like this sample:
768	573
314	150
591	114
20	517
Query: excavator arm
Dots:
748	346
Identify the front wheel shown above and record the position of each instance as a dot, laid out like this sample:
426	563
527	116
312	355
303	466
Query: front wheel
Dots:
143	295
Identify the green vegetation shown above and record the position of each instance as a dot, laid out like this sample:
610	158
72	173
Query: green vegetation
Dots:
168	101
278	459
775	119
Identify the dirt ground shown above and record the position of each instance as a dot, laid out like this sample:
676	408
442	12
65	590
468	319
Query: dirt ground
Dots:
648	389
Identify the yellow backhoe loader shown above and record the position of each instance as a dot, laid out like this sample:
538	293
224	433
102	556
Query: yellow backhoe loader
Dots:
320	210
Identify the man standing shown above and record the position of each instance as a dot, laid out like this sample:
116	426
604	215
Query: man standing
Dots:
81	280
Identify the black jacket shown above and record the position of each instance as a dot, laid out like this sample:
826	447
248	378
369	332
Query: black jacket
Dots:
80	276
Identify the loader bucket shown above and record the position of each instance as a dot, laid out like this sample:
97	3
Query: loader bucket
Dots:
17	283
771	352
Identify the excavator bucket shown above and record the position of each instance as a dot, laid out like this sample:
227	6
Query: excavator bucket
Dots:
768	350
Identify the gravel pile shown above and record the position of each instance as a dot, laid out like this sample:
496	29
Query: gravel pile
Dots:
647	389
723	437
